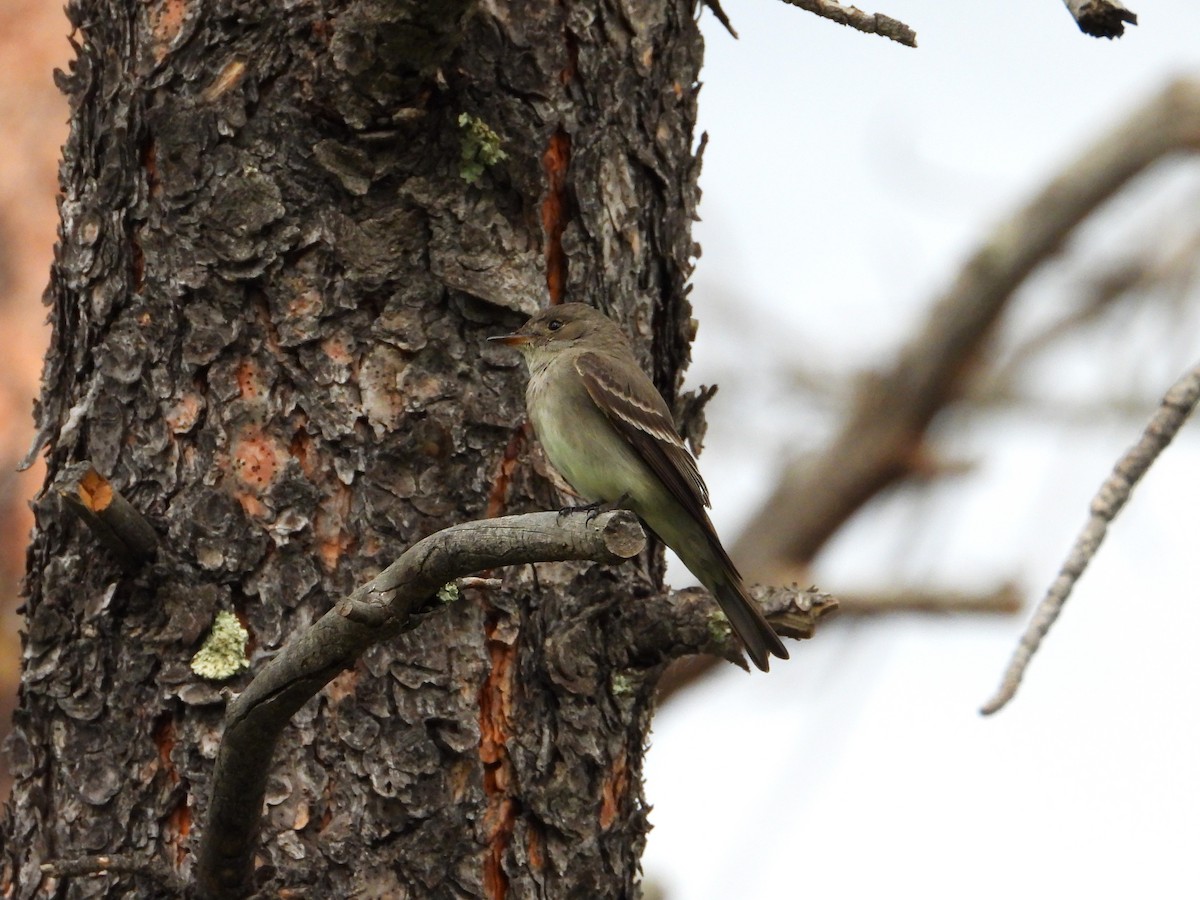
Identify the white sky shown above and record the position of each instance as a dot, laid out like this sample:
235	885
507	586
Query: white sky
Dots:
845	180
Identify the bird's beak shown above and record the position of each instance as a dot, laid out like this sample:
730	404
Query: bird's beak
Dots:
511	340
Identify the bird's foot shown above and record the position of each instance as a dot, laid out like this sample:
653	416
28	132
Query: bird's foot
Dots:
596	508
592	509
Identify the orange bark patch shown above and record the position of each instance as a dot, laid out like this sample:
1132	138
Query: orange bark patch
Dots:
537	858
150	164
177	824
613	791
225	81
166	21
164	741
178	820
300	820
495	715
305	303
498	495
342	686
338	350
460	779
257	459
329	527
250	383
251	640
183	416
95	493
555	212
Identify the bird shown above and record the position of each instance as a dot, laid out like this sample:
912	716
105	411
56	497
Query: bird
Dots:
608	431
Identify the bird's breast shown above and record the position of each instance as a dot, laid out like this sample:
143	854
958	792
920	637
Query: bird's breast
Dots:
579	440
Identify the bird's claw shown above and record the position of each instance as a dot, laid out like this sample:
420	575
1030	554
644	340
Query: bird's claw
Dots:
596	508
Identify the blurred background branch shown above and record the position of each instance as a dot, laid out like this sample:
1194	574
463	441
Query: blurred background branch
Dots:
884	439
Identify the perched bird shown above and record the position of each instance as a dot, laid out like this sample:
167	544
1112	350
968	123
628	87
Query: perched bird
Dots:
608	431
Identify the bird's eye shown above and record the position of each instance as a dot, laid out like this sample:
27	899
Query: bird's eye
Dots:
555	324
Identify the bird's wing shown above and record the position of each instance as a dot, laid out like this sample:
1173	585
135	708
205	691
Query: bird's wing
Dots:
639	413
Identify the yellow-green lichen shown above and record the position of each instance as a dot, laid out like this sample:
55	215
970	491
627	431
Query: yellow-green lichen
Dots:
623	685
480	148
719	628
224	652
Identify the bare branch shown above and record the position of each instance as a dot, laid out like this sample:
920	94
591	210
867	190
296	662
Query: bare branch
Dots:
1101	18
722	17
804	609
852	16
791	612
114	521
1002	600
1176	406
114	864
379	609
1162	272
882	439
395	601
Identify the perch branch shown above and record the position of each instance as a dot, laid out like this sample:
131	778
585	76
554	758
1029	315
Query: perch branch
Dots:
1100	18
114	521
395	601
379	609
1176	406
871	23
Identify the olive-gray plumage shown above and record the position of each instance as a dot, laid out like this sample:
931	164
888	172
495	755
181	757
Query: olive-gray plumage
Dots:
606	428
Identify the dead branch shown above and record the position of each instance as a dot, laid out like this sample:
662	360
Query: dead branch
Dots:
795	614
1005	599
870	23
114	521
1100	18
1176	406
114	864
379	609
395	601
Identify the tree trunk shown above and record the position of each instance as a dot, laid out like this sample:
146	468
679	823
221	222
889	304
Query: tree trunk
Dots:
285	233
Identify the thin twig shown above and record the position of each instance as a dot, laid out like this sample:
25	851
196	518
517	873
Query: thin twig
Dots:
870	23
1176	406
722	17
1004	600
1100	18
114	864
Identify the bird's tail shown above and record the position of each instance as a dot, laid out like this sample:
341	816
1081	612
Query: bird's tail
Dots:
699	548
747	620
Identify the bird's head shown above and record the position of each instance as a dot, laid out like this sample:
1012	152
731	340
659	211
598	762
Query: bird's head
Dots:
560	327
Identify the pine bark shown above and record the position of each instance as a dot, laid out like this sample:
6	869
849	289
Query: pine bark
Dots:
269	301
